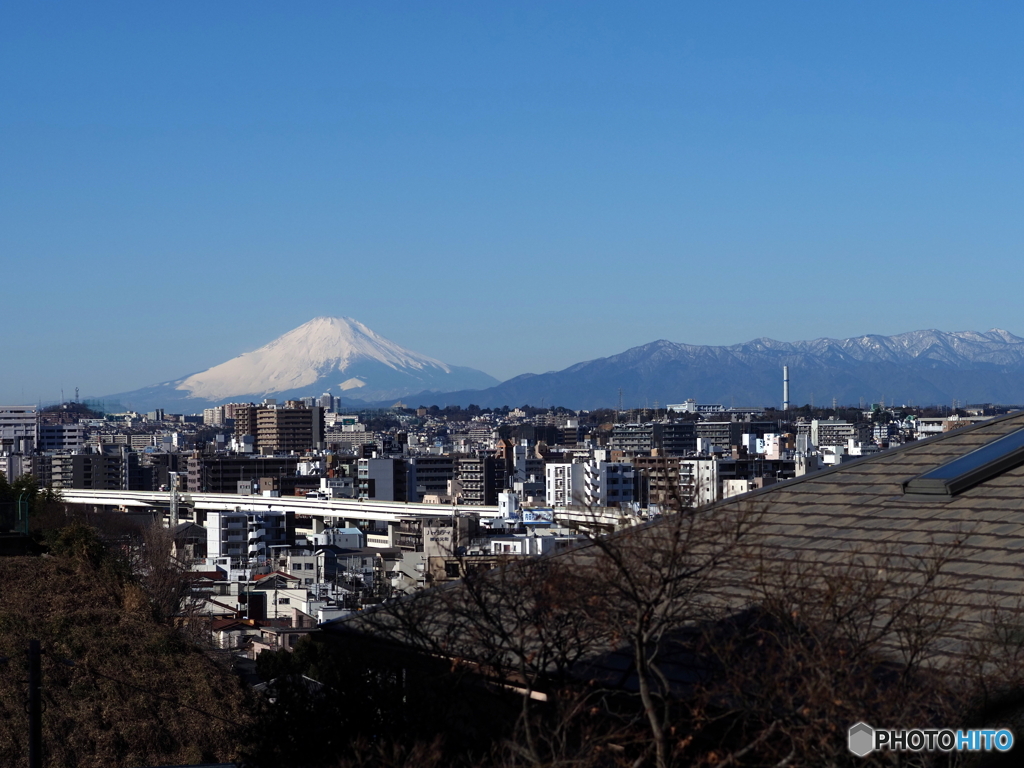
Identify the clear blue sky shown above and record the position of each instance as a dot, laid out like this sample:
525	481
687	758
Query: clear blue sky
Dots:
510	186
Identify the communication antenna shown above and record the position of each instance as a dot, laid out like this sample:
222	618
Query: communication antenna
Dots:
618	415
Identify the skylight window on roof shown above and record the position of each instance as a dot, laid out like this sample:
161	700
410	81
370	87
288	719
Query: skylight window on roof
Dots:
979	465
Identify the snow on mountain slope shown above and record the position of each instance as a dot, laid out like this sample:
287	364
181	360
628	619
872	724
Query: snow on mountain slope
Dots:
338	355
302	357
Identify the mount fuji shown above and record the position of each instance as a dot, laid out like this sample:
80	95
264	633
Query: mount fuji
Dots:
338	355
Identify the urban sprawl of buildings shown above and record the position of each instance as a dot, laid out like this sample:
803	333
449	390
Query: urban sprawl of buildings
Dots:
267	576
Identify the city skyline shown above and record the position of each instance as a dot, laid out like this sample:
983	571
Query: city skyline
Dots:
514	190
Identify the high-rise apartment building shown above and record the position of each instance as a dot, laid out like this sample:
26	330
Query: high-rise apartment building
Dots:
293	427
245	419
480	479
214	417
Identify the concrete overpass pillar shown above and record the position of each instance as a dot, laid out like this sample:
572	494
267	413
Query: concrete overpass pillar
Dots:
318	524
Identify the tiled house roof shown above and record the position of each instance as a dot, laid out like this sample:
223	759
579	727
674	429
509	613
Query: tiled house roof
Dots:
862	507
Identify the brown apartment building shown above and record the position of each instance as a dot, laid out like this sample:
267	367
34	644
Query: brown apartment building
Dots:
293	427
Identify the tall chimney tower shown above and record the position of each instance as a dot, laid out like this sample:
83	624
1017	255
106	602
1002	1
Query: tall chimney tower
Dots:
785	387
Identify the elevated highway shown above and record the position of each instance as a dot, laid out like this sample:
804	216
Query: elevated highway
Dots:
336	509
313	513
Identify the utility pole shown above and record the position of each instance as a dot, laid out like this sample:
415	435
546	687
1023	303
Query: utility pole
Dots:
22	507
35	705
173	480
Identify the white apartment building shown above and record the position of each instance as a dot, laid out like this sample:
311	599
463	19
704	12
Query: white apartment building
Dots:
564	485
698	481
214	417
246	537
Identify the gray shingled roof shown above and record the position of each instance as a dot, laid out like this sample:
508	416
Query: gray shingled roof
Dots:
861	506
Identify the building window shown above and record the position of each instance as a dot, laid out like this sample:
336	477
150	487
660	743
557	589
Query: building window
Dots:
284	601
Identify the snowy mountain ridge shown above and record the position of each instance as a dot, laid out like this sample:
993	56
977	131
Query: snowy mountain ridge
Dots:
927	366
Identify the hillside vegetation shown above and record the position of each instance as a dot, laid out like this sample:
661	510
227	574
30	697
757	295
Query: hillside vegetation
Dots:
120	686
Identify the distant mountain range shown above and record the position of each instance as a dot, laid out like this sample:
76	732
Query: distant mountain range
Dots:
338	355
347	359
921	367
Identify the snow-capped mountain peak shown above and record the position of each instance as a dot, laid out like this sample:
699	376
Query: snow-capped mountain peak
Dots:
339	355
301	357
